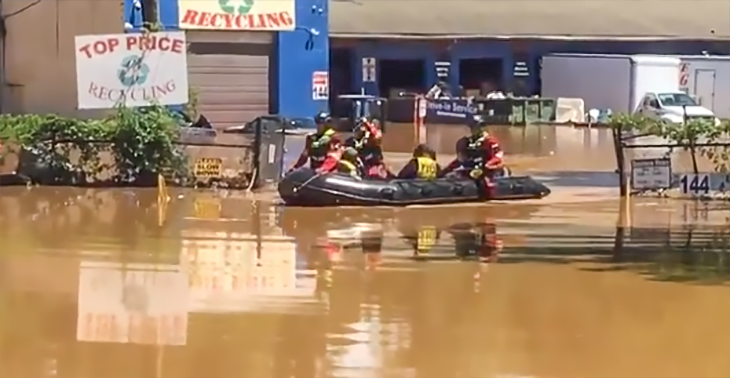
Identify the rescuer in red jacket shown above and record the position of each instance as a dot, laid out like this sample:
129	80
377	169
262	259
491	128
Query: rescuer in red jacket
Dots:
479	155
367	141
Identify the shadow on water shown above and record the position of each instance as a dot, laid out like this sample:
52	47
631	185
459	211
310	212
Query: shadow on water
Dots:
107	283
579	179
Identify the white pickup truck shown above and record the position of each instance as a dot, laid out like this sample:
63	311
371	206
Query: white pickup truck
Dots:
622	83
673	107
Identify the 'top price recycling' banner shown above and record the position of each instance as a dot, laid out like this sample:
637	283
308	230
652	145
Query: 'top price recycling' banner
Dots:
131	69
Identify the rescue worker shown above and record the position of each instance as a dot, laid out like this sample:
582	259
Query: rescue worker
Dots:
423	165
367	140
479	155
319	144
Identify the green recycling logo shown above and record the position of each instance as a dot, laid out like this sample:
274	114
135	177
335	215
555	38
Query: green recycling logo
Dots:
236	7
133	71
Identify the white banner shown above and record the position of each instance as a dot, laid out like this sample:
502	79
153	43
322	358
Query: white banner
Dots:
133	69
135	303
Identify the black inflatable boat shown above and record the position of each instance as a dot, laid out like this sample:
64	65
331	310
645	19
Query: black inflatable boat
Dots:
304	187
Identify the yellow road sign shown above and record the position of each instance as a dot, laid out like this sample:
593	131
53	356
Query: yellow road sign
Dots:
208	168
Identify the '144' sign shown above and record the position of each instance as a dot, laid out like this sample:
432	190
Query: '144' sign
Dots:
695	185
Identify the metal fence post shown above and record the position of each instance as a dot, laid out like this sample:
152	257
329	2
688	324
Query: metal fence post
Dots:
268	155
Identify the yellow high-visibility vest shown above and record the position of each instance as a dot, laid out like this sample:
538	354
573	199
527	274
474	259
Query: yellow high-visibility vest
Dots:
427	168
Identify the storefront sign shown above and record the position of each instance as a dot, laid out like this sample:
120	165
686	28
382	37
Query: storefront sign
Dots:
443	69
369	70
446	110
271	15
132	303
320	85
131	69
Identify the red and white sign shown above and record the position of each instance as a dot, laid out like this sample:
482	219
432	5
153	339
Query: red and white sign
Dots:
684	77
131	69
134	303
270	15
320	85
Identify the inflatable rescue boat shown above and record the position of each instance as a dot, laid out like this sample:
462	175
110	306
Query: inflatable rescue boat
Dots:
304	187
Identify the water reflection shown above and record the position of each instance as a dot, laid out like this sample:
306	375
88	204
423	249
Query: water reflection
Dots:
132	303
98	283
477	240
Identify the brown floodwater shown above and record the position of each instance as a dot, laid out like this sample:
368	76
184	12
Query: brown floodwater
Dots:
106	283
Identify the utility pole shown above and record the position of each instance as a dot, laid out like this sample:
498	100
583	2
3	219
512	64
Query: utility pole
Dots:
150	17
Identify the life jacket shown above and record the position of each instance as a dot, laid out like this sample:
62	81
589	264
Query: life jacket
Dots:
368	147
319	146
427	168
370	154
348	167
477	153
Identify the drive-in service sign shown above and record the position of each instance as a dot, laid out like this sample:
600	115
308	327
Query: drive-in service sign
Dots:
271	15
131	69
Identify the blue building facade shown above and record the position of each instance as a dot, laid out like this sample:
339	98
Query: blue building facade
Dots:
300	57
300	61
525	54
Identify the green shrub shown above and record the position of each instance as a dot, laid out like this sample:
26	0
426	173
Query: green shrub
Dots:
701	137
139	143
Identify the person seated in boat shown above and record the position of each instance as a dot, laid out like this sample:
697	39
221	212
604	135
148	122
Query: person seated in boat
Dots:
478	155
366	139
350	163
319	144
423	165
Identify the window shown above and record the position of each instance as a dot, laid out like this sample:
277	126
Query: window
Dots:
650	101
676	99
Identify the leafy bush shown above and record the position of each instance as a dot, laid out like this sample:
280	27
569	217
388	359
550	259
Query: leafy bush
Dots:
699	136
139	143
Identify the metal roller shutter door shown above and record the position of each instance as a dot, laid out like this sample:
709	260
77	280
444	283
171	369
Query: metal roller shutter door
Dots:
230	73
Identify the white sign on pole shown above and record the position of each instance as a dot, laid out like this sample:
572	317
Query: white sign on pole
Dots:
422	104
651	174
695	185
320	85
131	69
134	303
369	69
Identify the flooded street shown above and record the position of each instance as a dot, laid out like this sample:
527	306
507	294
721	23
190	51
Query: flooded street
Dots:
106	283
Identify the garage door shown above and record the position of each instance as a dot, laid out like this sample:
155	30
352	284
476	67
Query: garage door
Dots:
229	71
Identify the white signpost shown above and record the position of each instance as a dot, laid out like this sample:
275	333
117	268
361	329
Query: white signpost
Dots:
369	70
131	69
651	174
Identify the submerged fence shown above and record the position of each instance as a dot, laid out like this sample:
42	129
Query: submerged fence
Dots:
246	160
